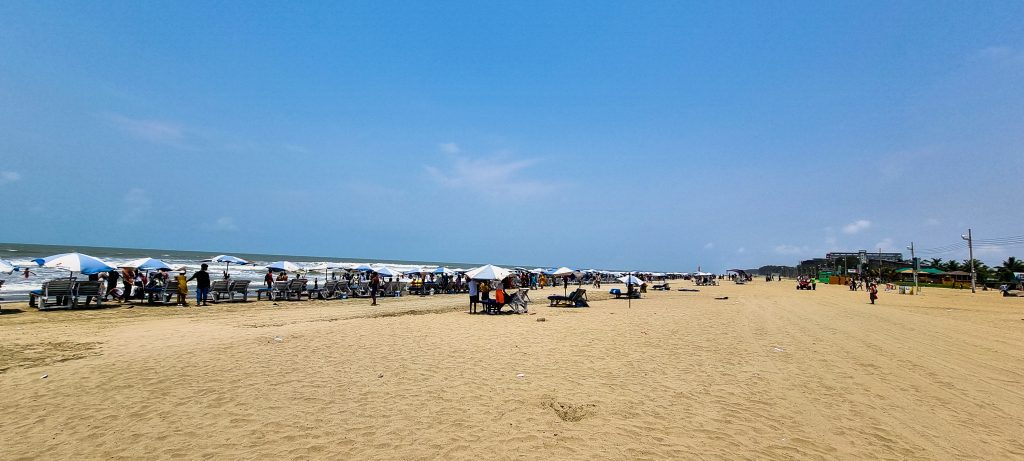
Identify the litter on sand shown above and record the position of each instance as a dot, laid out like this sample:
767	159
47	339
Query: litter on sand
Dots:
778	349
722	298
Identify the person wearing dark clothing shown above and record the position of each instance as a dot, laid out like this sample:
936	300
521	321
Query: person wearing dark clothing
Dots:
127	280
374	286
268	279
202	279
112	277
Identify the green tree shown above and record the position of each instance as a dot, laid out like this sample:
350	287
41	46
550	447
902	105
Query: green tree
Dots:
951	265
934	262
1005	272
981	269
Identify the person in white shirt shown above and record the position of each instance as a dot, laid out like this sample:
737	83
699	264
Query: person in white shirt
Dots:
474	295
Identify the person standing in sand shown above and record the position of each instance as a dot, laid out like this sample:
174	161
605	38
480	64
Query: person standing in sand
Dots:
182	288
202	279
872	292
268	279
474	295
374	285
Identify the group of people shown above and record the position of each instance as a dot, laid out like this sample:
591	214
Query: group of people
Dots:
135	284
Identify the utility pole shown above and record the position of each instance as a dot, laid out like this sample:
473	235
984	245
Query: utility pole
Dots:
914	260
970	250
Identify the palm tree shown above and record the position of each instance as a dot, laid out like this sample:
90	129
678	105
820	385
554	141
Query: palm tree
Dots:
981	269
951	265
1006	271
936	263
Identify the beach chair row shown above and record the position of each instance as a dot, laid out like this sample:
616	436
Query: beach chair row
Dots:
66	294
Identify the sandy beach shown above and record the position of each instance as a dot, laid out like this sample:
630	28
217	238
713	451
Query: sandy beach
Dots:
770	373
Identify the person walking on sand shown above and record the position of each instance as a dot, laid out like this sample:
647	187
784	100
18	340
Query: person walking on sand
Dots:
872	292
202	279
268	279
182	288
374	285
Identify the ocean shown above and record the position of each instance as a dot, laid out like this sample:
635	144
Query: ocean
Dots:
16	287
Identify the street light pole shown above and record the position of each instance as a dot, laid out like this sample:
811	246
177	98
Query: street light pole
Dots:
914	260
970	249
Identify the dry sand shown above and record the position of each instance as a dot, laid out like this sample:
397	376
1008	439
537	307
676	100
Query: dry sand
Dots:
770	373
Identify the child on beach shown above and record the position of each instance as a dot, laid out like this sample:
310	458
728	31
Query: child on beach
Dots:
182	288
873	292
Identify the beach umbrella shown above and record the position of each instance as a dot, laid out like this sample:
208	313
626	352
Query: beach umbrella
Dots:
363	267
74	262
631	280
443	270
415	270
285	266
7	266
228	260
386	271
488	272
146	264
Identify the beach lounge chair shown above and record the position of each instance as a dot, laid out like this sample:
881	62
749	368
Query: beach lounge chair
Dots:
360	290
324	292
519	301
577	298
220	289
170	291
53	294
279	290
623	294
296	287
88	289
343	291
240	289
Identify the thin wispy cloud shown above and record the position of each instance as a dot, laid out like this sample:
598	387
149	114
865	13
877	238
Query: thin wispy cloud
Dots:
790	249
449	148
494	175
886	244
856	226
9	177
156	131
709	246
222	224
1000	54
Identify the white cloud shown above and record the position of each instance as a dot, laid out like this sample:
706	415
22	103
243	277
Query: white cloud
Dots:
157	131
790	249
741	250
932	222
223	224
709	246
885	244
136	205
449	148
495	176
996	52
856	226
9	176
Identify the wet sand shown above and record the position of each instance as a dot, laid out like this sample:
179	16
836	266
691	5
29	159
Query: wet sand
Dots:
770	373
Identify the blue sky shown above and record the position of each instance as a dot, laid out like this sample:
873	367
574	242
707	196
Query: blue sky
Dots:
660	135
